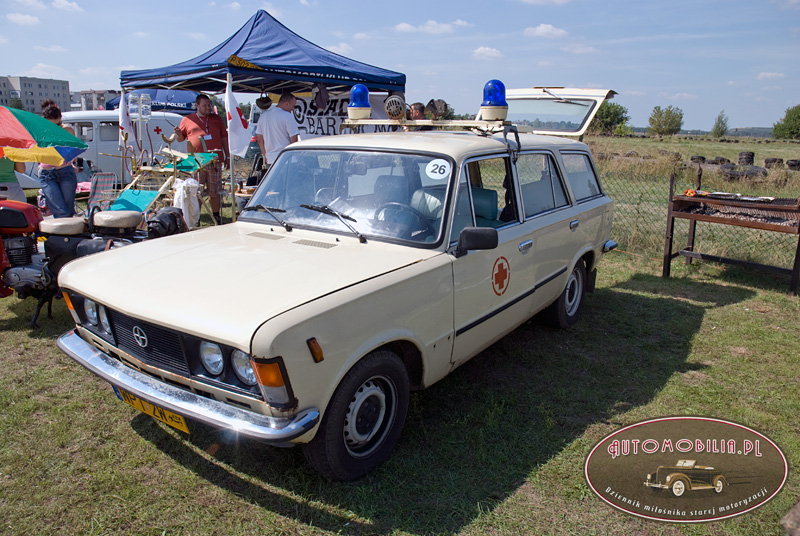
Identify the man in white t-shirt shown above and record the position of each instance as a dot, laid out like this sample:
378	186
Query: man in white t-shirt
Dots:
277	128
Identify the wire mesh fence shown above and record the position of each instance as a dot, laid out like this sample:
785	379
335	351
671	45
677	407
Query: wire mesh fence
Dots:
640	220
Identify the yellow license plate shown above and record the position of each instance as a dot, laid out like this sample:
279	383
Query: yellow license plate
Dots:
163	415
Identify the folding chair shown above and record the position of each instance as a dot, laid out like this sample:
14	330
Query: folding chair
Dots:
103	190
154	182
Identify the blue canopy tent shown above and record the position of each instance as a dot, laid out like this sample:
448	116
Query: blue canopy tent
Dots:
163	100
265	56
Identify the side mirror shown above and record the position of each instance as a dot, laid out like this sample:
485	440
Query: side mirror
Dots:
472	238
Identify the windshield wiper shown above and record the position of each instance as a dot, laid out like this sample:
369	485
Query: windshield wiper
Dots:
271	211
562	100
325	209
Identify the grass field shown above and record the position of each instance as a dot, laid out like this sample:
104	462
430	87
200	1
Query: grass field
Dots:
496	448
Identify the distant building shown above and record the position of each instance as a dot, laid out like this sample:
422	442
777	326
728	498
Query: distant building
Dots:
32	91
95	99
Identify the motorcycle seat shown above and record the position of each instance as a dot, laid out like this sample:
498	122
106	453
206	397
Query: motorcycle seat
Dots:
117	219
64	226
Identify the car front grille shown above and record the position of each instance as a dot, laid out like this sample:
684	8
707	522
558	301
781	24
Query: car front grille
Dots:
162	348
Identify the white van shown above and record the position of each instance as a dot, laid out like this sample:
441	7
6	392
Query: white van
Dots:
100	130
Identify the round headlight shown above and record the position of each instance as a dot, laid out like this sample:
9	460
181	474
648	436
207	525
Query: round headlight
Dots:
90	308
211	357
243	368
104	322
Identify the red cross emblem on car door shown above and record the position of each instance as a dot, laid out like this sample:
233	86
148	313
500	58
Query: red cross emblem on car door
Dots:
501	274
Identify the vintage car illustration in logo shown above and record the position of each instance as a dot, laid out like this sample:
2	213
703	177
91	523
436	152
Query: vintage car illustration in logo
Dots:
686	475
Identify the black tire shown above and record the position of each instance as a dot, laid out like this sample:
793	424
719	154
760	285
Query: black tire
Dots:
679	487
363	420
567	309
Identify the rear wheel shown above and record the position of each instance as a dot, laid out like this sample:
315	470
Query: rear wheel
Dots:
363	420
566	310
719	484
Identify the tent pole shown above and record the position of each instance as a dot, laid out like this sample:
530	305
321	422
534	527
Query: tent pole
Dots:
231	157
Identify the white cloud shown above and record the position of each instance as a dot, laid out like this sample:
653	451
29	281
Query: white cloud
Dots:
633	93
234	6
682	96
361	35
35	4
486	53
770	76
51	48
546	2
140	34
432	27
787	4
66	5
3	39
772	88
579	49
42	70
731	83
22	20
463	23
272	10
545	30
341	48
197	36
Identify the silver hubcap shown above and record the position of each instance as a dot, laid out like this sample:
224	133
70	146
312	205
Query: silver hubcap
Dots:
573	292
718	486
367	421
678	488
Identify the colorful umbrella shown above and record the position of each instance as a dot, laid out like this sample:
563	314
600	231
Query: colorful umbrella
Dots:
26	137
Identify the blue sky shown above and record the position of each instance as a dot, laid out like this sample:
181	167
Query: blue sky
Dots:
742	56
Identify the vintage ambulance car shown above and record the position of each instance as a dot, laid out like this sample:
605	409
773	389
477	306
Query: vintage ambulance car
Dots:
366	266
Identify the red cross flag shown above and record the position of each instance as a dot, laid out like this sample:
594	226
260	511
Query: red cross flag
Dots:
125	124
238	135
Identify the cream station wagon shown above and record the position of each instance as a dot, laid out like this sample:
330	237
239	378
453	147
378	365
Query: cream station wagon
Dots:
365	266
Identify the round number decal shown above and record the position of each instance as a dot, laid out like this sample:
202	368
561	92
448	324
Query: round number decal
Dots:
438	169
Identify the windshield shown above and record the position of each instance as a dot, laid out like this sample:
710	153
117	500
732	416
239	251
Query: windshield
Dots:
369	194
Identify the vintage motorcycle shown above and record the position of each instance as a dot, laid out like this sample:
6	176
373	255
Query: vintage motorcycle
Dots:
31	273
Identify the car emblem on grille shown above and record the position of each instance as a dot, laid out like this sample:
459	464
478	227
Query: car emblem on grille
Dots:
139	336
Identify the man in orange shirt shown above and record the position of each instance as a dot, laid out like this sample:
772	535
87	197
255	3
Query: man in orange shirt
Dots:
207	133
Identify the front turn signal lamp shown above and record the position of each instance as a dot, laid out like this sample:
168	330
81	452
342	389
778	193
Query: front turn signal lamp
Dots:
271	377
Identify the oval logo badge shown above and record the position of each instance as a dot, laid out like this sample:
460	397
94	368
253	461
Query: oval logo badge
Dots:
686	469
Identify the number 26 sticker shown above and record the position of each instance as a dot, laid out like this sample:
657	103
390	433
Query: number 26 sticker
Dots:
438	169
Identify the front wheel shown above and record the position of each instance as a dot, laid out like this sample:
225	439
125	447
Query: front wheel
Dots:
679	487
363	420
566	310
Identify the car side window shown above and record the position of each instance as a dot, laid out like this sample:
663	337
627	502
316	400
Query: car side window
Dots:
109	131
492	190
462	213
580	175
85	131
540	187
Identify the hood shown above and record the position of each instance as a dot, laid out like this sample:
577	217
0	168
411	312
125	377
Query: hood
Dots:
222	283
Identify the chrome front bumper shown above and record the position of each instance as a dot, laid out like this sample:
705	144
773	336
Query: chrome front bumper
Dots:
198	408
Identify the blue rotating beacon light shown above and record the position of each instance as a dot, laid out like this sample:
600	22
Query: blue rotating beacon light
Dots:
494	106
359	103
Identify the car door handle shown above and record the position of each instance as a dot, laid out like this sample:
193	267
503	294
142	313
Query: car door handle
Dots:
525	246
573	225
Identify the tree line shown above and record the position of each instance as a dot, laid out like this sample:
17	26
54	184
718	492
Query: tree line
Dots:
612	118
